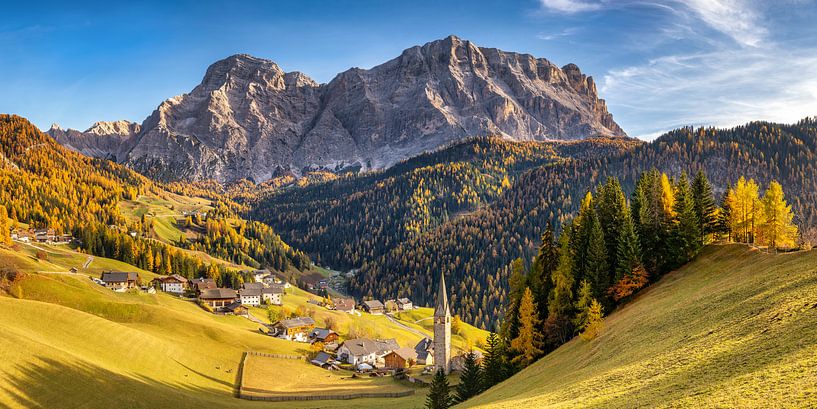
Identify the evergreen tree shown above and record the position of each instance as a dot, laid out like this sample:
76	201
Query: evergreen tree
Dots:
528	344
546	260
558	326
686	236
517	283
494	365
583	305
705	208
724	215
5	227
628	251
470	379
611	208
598	272
777	229
439	395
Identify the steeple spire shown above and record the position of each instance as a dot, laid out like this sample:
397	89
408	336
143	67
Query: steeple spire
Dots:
442	309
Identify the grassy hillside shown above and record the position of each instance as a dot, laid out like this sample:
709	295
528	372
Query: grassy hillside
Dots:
735	328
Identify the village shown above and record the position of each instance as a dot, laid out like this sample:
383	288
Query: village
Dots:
327	348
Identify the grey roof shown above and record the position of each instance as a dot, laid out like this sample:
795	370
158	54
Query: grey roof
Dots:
272	290
254	286
173	276
373	304
119	277
403	301
250	292
442	309
295	322
424	346
366	346
386	345
322	358
321	333
217	293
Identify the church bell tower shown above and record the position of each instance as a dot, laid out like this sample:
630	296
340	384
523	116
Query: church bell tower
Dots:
442	329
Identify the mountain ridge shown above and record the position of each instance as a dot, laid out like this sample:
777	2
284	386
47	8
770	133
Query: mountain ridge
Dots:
249	119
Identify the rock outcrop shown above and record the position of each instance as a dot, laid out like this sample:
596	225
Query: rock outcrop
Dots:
250	119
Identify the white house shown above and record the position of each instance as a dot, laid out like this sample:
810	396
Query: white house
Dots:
273	294
175	284
365	350
250	296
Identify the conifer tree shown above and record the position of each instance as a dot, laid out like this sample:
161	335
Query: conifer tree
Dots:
777	229
546	260
628	251
517	284
686	236
595	321
597	268
744	210
439	394
470	379
611	208
585	298
494	365
558	326
705	208
528	344
5	227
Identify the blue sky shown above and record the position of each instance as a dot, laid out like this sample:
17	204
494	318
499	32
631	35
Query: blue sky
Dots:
659	63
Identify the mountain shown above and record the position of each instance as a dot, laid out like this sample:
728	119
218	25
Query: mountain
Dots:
105	140
250	119
734	328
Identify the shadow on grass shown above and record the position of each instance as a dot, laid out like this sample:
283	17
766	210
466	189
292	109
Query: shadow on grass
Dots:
47	383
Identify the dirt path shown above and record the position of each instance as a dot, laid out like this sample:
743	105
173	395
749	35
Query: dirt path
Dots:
407	328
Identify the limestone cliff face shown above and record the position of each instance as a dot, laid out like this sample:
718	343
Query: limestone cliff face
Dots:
107	140
250	119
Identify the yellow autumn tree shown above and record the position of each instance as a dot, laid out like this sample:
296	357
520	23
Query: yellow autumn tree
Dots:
528	344
595	321
667	195
777	229
744	210
5	227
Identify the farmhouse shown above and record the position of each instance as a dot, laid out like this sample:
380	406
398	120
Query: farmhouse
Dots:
45	235
346	305
217	298
400	358
273	294
294	329
425	351
253	286
120	281
236	308
374	307
261	275
250	296
172	284
404	304
201	284
365	350
324	335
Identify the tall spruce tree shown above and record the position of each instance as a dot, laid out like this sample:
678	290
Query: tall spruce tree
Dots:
686	236
471	382
528	343
494	364
580	234
705	208
517	283
611	208
546	260
598	272
629	250
439	394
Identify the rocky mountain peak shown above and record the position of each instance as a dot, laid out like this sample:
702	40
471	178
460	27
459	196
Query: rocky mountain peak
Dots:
249	118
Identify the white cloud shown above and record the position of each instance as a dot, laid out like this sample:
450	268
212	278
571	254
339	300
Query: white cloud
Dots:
553	36
723	88
571	6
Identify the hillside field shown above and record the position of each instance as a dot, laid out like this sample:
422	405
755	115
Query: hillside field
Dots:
735	328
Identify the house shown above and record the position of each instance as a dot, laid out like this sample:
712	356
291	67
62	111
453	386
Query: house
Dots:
15	234
45	235
175	283
294	329
400	358
365	350
324	335
273	294
325	361
374	307
120	281
236	308
425	351
346	305
250	296
390	305
73	270
260	275
201	284
217	298
404	304
253	286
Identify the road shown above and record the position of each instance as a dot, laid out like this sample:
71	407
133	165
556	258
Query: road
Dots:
407	328
88	262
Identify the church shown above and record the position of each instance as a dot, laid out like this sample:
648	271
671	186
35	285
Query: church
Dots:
442	329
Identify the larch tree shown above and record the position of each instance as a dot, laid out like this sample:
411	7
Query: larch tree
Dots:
5	227
528	344
744	209
517	283
595	321
777	229
585	298
558	326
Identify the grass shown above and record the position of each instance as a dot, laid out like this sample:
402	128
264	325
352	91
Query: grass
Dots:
166	210
735	328
421	318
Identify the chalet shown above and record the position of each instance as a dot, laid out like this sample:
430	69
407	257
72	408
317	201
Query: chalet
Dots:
273	294
252	286
404	304
425	351
217	298
324	335
120	281
400	358
390	305
250	296
346	305
236	308
365	350
294	329
201	284
260	275
175	283
374	307
45	235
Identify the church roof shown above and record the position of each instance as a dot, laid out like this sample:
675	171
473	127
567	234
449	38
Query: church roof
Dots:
442	299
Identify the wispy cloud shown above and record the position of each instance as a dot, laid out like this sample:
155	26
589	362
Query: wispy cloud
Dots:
572	6
559	34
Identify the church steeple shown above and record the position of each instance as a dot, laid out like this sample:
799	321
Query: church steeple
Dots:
442	329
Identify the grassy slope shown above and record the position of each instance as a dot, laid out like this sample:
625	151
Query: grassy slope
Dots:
735	328
72	343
